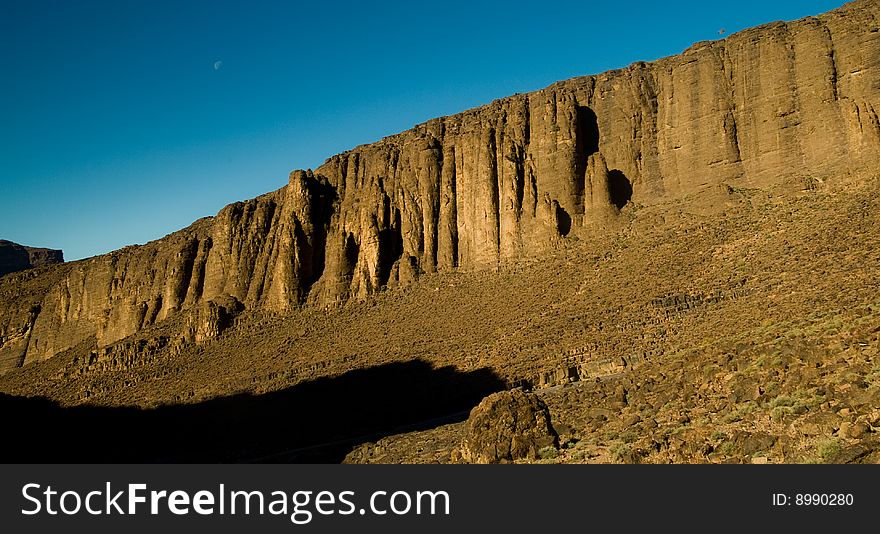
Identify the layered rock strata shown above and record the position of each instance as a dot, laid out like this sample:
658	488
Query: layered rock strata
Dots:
791	103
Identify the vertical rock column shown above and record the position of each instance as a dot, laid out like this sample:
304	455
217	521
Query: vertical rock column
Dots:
447	228
598	208
429	177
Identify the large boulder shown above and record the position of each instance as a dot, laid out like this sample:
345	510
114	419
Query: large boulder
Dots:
507	426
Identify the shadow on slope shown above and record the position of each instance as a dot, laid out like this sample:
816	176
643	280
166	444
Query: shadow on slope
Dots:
316	421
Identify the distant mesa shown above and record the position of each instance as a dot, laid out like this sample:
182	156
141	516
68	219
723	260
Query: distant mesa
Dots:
15	257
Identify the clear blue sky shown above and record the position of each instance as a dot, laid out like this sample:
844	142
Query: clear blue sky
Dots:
116	128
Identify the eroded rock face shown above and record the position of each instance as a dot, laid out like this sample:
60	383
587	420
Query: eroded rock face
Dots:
789	103
213	317
507	426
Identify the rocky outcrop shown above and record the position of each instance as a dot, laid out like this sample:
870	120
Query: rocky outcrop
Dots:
786	103
505	427
15	257
213	317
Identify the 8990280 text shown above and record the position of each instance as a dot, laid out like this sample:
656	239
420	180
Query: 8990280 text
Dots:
813	499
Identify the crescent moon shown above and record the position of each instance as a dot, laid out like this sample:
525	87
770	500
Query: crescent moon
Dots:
217	65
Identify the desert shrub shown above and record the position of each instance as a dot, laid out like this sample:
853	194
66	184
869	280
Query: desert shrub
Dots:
627	436
828	448
548	453
620	452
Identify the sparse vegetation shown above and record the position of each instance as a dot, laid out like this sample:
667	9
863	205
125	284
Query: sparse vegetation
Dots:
798	402
828	448
548	453
741	411
718	435
628	436
620	452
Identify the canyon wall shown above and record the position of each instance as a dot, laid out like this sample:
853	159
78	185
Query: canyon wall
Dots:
785	103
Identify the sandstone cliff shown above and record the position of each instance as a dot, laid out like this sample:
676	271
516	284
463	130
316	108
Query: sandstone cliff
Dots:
790	103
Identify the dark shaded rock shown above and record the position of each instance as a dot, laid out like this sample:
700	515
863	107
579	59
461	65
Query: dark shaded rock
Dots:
632	420
507	426
746	390
15	257
819	424
750	443
865	452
